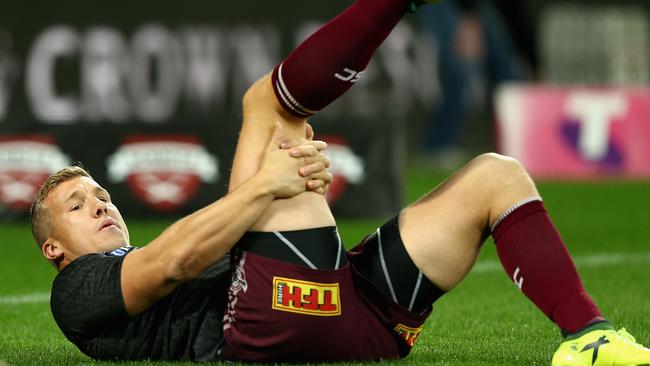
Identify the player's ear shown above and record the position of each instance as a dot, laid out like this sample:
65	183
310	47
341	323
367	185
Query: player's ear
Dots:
52	249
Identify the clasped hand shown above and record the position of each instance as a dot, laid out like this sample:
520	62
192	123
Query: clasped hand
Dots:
295	166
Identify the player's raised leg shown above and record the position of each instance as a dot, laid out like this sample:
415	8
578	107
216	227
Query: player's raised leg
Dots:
443	233
317	72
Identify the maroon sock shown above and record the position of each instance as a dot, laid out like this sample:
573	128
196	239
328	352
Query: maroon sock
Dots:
534	256
326	65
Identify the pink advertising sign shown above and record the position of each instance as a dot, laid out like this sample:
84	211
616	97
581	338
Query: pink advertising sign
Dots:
576	132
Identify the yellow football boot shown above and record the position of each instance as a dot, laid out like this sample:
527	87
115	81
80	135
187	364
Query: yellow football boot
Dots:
602	348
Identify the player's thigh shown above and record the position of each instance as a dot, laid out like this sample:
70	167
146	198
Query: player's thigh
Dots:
443	231
383	261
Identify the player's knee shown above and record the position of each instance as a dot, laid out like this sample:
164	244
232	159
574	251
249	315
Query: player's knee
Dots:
501	169
499	161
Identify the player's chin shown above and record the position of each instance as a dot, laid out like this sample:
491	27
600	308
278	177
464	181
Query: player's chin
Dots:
113	240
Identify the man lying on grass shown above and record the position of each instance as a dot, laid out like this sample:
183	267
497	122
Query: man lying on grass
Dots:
295	294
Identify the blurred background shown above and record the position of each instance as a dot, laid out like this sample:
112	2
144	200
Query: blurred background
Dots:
146	95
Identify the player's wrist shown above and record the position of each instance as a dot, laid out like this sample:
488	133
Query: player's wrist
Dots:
261	185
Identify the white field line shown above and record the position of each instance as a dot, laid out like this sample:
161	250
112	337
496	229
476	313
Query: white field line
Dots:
34	298
589	261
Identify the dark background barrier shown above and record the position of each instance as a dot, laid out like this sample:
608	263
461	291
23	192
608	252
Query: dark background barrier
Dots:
146	95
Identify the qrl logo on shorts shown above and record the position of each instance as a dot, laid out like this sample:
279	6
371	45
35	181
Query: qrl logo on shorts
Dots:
410	335
304	297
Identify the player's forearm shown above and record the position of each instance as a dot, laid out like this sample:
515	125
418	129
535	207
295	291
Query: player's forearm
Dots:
188	247
202	238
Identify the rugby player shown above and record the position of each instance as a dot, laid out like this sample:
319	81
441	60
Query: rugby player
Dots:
292	282
166	300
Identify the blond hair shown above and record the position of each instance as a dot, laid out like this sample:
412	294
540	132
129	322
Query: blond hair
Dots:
41	221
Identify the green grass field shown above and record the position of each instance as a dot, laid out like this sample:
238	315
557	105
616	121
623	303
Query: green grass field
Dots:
484	321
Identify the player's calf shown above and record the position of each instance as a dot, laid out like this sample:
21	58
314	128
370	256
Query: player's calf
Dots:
333	59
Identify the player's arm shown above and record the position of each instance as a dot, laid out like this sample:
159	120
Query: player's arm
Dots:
192	244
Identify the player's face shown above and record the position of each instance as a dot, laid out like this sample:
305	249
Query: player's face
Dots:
84	218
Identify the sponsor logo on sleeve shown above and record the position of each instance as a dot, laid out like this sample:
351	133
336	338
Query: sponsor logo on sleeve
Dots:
163	171
410	335
120	252
304	297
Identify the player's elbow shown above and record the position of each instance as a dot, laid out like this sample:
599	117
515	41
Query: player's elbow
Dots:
189	250
183	264
183	268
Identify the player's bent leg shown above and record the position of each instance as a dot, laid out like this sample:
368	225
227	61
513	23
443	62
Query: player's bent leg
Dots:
602	348
444	230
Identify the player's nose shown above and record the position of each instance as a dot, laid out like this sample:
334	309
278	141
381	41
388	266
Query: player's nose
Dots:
100	208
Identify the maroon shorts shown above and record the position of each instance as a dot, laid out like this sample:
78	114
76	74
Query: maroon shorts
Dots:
288	312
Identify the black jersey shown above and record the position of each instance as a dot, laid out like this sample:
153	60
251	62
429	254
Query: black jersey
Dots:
87	305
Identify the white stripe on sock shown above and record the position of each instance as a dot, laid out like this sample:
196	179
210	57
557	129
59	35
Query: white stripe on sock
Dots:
514	207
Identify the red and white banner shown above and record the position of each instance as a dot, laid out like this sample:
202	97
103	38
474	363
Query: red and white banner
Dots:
25	163
576	132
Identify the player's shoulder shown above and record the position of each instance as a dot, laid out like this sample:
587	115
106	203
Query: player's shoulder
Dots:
89	264
87	292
